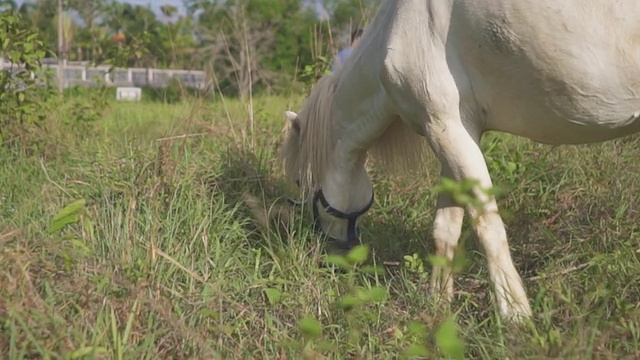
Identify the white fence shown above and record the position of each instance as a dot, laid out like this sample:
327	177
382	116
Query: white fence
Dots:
75	74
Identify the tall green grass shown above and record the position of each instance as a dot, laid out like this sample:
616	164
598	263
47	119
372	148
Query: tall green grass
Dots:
159	231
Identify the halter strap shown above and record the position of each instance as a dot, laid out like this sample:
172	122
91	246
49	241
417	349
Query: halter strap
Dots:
351	217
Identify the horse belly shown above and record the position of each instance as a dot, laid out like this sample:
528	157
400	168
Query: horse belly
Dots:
549	81
558	112
543	124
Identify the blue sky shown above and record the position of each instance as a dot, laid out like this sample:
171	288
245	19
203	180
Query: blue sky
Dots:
155	4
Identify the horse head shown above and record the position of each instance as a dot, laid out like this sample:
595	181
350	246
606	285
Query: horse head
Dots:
329	197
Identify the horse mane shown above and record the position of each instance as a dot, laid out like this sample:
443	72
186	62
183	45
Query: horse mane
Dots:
306	156
400	150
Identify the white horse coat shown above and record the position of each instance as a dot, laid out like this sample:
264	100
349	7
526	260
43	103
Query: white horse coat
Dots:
554	71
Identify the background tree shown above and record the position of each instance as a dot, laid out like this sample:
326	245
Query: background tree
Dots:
8	5
249	43
90	32
245	44
68	33
40	15
178	40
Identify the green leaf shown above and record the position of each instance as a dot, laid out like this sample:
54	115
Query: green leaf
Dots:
85	351
372	270
211	314
447	340
66	216
417	329
358	254
416	350
438	260
79	245
377	294
129	326
61	223
460	260
337	260
310	328
273	295
348	302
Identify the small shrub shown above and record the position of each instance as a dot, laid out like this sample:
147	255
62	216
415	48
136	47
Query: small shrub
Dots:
313	72
19	94
89	106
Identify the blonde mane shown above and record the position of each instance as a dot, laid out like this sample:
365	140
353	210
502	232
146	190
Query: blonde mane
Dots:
306	156
306	153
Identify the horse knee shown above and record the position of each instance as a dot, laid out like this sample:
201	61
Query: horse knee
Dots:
491	233
447	227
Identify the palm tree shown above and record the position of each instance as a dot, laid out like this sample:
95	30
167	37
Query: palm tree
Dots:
68	33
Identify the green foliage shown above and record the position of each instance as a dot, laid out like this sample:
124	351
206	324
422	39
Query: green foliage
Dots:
72	247
89	106
356	303
448	341
120	338
465	192
19	100
348	14
247	45
414	264
503	165
66	216
314	71
146	42
174	92
10	5
310	328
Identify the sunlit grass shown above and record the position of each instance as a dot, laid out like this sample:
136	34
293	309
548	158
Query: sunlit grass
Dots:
171	258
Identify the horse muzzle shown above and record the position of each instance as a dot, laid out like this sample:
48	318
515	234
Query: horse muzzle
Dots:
353	236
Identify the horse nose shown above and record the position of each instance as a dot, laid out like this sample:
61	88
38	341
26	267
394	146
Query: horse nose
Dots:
353	238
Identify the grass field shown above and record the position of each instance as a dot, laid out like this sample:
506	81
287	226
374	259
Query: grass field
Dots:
176	243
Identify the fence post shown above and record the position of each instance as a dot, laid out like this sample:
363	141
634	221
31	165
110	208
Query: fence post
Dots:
149	76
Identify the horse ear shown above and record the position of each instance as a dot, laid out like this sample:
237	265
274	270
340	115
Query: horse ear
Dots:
293	118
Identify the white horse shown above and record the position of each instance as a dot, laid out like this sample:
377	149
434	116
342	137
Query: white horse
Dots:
554	71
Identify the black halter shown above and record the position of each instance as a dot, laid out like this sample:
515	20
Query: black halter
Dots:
351	217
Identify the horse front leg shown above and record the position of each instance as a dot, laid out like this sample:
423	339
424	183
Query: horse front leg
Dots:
431	94
447	227
457	148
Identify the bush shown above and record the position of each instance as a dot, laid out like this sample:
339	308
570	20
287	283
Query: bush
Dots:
21	92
